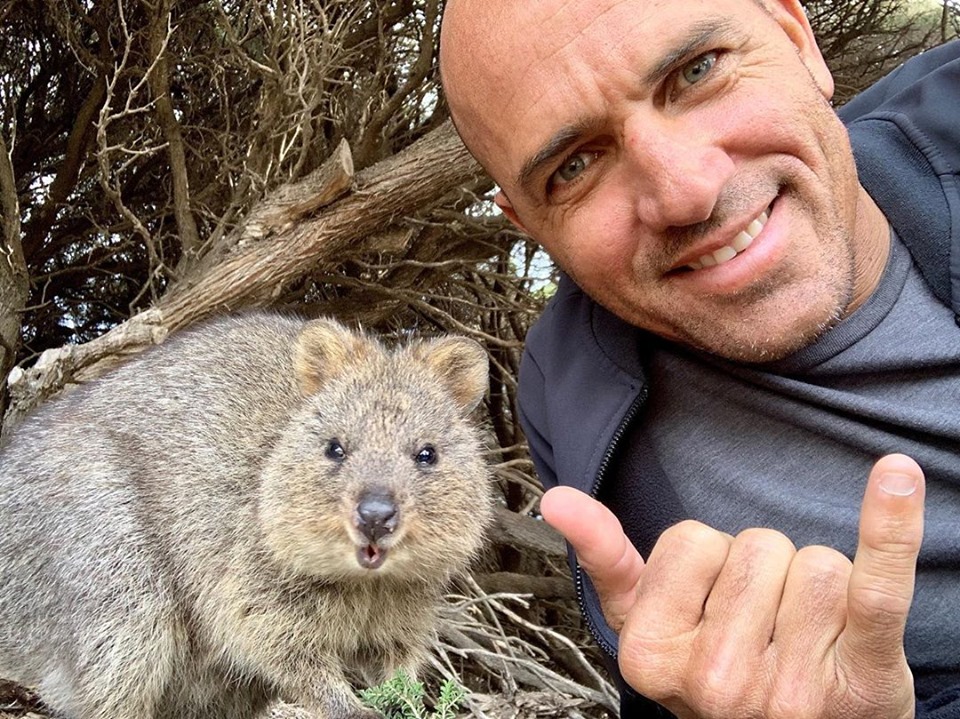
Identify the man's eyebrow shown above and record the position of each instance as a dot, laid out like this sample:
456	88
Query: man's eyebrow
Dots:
565	138
699	36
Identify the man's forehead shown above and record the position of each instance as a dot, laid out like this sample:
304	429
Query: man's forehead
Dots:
482	41
493	50
510	58
495	37
491	34
480	57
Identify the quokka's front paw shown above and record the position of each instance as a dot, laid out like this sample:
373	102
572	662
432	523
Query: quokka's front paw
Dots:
357	713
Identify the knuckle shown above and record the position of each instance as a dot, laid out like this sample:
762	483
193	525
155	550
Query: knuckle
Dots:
759	542
690	534
823	571
756	557
816	559
718	687
882	602
896	535
894	558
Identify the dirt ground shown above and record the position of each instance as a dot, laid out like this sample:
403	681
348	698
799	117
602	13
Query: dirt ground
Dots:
17	702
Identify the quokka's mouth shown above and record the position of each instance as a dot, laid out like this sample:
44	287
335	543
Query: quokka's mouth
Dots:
371	556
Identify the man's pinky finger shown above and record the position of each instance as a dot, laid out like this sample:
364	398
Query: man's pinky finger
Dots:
881	584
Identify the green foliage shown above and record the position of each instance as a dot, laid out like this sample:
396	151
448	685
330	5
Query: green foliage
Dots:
402	698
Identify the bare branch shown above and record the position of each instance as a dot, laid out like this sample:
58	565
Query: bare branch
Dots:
293	202
159	78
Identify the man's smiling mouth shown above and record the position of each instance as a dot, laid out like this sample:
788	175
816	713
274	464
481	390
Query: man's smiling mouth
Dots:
741	242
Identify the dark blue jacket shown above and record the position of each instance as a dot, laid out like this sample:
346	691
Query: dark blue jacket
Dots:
581	379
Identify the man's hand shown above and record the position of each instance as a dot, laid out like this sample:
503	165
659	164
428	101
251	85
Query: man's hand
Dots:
714	626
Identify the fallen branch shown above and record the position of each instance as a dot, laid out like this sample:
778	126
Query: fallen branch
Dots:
527	534
256	272
536	586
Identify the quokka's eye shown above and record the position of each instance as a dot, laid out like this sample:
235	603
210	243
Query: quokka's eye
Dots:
426	455
335	451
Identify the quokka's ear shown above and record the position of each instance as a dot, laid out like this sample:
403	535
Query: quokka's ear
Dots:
323	349
461	365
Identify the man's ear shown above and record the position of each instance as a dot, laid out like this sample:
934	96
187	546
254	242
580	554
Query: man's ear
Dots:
503	202
792	18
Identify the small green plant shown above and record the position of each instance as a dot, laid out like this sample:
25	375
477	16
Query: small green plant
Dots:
402	698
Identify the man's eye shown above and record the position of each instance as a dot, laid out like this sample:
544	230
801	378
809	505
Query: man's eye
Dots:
698	68
572	168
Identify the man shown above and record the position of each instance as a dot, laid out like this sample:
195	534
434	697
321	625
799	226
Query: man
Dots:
748	328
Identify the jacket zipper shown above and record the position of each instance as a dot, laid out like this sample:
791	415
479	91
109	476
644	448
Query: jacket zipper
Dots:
594	491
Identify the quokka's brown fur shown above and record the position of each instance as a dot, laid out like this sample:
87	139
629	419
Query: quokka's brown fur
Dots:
256	509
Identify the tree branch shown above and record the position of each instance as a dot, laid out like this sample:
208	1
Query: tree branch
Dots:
78	142
256	273
290	203
403	185
159	75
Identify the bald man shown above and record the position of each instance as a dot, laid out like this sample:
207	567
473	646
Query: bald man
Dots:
753	350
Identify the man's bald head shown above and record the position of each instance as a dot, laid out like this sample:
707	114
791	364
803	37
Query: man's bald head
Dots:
471	68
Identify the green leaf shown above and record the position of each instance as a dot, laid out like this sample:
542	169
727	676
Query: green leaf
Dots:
402	697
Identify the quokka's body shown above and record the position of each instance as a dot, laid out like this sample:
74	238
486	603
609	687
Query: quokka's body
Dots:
253	510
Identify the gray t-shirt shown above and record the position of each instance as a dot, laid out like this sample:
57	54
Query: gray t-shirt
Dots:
788	445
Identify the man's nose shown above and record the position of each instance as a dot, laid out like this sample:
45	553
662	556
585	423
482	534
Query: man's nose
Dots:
680	171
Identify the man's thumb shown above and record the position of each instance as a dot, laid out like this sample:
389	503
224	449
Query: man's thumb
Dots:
880	590
603	550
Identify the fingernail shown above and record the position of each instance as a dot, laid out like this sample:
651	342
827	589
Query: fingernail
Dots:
899	485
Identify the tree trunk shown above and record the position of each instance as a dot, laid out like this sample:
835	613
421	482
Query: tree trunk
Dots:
13	271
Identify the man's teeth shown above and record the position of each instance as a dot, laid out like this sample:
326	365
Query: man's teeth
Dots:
728	252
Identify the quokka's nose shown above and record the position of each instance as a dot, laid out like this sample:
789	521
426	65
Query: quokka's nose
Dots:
377	515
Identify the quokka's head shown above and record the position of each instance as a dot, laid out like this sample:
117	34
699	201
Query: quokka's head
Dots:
380	472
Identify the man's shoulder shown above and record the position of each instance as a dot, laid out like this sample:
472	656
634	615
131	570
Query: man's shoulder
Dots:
567	311
573	327
931	70
906	142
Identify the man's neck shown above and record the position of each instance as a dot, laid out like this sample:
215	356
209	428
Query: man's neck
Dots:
872	250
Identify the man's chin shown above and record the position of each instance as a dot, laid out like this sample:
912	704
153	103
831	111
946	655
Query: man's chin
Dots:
770	321
757	344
